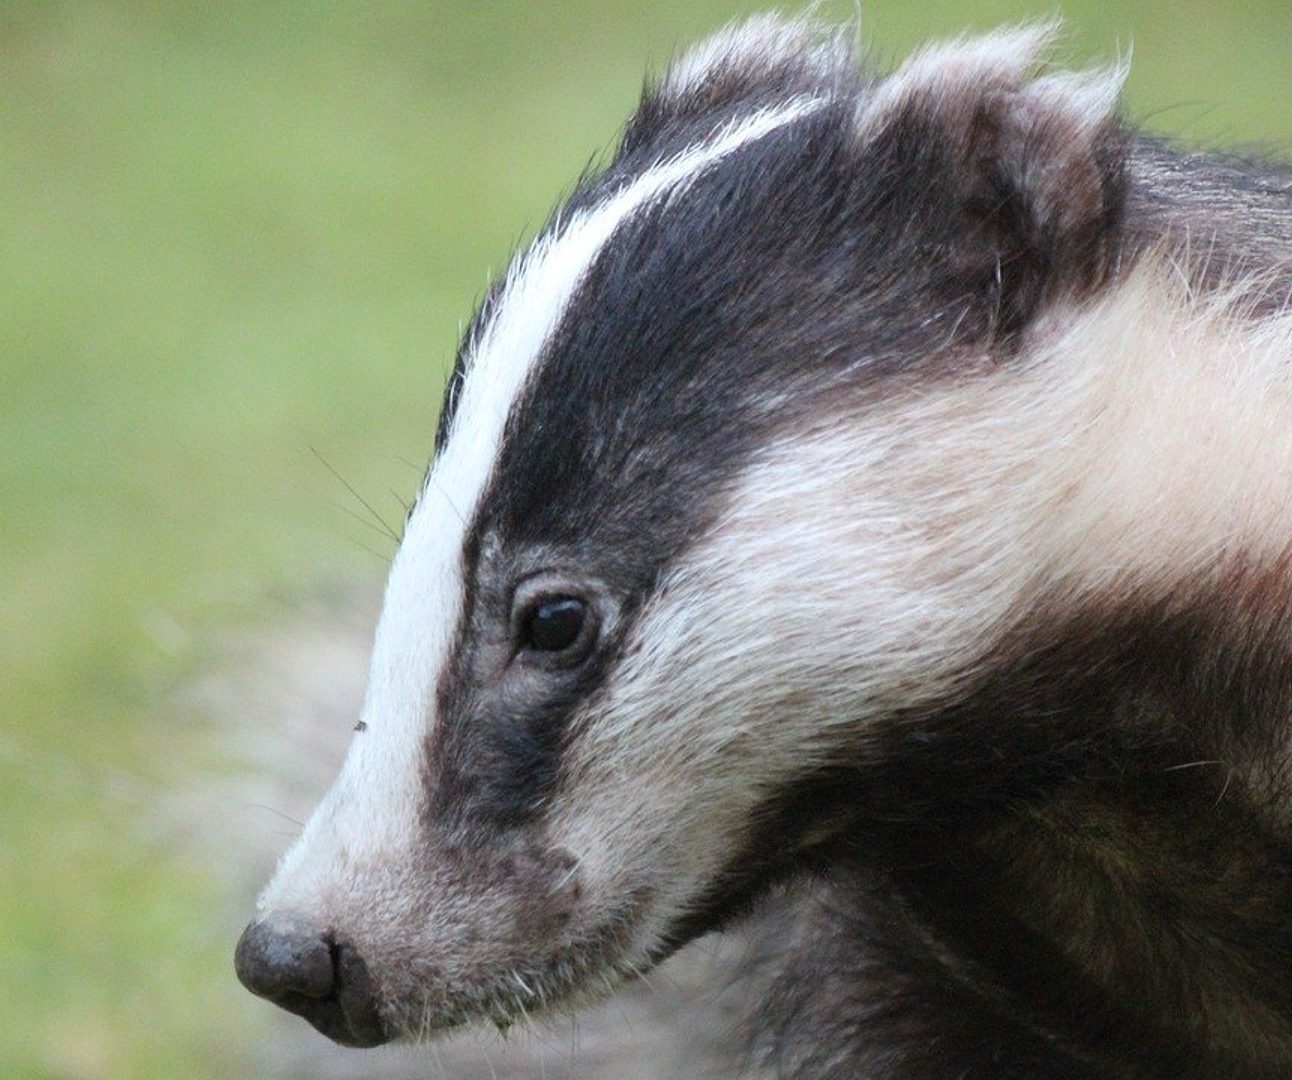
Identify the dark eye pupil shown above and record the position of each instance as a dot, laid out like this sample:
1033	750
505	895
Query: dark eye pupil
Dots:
554	625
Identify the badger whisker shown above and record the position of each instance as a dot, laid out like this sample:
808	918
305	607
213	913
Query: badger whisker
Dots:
377	521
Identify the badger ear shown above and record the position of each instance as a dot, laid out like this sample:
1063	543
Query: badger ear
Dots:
1031	168
764	58
763	52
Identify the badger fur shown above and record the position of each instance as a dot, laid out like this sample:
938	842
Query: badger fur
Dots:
868	494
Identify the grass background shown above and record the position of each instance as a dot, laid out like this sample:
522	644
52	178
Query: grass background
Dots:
230	233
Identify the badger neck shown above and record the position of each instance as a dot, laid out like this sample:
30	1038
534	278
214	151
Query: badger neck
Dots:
1088	826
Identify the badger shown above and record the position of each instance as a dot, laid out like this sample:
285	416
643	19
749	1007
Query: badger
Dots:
868	497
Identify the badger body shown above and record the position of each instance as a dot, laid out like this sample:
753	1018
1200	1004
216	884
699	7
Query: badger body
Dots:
868	498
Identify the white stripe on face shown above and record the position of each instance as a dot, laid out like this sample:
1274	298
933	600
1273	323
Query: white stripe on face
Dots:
372	808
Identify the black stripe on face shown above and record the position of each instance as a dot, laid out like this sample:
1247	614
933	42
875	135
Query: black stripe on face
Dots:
803	271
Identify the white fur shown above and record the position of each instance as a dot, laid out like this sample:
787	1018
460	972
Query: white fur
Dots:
1084	98
949	72
760	42
370	814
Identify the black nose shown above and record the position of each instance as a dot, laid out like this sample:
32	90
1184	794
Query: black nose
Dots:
313	976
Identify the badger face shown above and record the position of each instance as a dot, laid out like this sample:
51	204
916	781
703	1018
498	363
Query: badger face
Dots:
685	546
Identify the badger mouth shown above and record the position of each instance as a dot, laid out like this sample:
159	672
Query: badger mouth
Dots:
570	976
517	997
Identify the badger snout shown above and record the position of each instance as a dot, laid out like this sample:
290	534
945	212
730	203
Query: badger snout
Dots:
309	973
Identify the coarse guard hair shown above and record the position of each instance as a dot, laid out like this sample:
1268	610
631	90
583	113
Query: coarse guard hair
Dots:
868	494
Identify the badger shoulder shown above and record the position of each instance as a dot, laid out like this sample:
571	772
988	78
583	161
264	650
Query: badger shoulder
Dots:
1140	407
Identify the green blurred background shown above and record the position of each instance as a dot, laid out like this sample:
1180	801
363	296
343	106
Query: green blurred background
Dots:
232	234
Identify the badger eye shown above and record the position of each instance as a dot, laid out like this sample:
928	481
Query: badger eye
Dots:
554	625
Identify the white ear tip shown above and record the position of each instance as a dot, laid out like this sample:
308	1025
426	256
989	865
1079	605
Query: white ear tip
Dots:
761	42
1018	48
1009	53
1089	97
960	68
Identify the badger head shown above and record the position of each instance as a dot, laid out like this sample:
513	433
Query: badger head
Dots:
716	505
